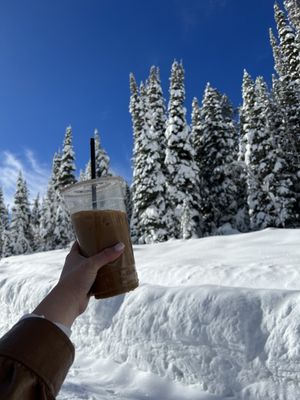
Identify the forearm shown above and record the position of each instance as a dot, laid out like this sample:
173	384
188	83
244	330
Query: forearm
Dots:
57	306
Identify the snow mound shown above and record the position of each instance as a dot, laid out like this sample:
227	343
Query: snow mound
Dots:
213	318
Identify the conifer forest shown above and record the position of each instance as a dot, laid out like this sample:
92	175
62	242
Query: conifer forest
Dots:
218	171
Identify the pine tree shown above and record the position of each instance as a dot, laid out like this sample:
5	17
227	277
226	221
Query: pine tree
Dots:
188	225
56	171
196	142
35	223
128	202
270	198
288	47
150	192
48	219
247	126
21	235
293	9
216	158
3	220
67	166
246	113
286	92
101	162
182	170
259	146
136	110
280	182
63	231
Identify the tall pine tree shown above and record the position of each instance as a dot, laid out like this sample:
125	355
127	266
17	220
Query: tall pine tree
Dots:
20	232
136	109
3	221
286	92
181	169
102	161
216	151
150	165
35	223
67	166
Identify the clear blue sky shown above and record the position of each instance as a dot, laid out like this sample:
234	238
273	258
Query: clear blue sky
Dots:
68	62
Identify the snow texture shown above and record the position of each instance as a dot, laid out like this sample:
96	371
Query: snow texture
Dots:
213	318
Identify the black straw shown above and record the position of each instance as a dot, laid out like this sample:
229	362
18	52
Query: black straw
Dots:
93	172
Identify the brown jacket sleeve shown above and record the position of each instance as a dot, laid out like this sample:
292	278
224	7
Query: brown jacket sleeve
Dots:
35	356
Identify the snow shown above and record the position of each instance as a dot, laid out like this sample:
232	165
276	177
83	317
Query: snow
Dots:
213	318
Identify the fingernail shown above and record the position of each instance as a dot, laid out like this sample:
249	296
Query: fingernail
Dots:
119	246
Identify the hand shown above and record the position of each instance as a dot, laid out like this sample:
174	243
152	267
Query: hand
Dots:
70	297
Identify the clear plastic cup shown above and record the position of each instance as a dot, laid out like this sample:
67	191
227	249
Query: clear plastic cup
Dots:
99	218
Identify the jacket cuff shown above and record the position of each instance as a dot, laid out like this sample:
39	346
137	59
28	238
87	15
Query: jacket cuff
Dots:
42	347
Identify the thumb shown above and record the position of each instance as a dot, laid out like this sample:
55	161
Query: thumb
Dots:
105	256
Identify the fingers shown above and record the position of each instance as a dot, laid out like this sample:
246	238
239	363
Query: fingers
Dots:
107	255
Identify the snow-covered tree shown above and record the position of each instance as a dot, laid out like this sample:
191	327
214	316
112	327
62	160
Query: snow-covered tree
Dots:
136	109
188	225
20	232
67	166
48	218
3	220
35	223
246	113
270	197
286	91
56	171
102	161
63	230
150	190
128	202
181	169
280	182
293	9
216	153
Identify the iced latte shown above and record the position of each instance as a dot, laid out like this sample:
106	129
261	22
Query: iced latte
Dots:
100	221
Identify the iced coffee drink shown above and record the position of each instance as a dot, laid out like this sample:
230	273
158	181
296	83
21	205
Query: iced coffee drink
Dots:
100	221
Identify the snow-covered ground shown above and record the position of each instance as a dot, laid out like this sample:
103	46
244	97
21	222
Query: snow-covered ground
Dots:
214	318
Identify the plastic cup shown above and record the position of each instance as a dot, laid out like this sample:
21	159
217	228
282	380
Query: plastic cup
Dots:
99	218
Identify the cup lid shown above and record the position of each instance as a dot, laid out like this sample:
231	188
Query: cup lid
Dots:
103	183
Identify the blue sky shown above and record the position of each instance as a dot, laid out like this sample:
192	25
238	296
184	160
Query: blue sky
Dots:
68	61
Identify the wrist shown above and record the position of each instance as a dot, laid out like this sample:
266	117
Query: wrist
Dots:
57	308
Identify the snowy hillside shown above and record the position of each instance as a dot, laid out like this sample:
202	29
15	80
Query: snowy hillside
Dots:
213	318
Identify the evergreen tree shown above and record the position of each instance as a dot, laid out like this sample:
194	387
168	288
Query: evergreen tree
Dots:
196	142
67	166
63	231
8	244
259	147
216	155
3	220
150	192
48	219
280	182
136	110
287	46
270	198
35	223
101	162
293	9
246	113
286	91
128	202
182	170
21	235
188	225
56	171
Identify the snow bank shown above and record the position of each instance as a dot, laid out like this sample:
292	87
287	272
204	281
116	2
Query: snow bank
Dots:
218	315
